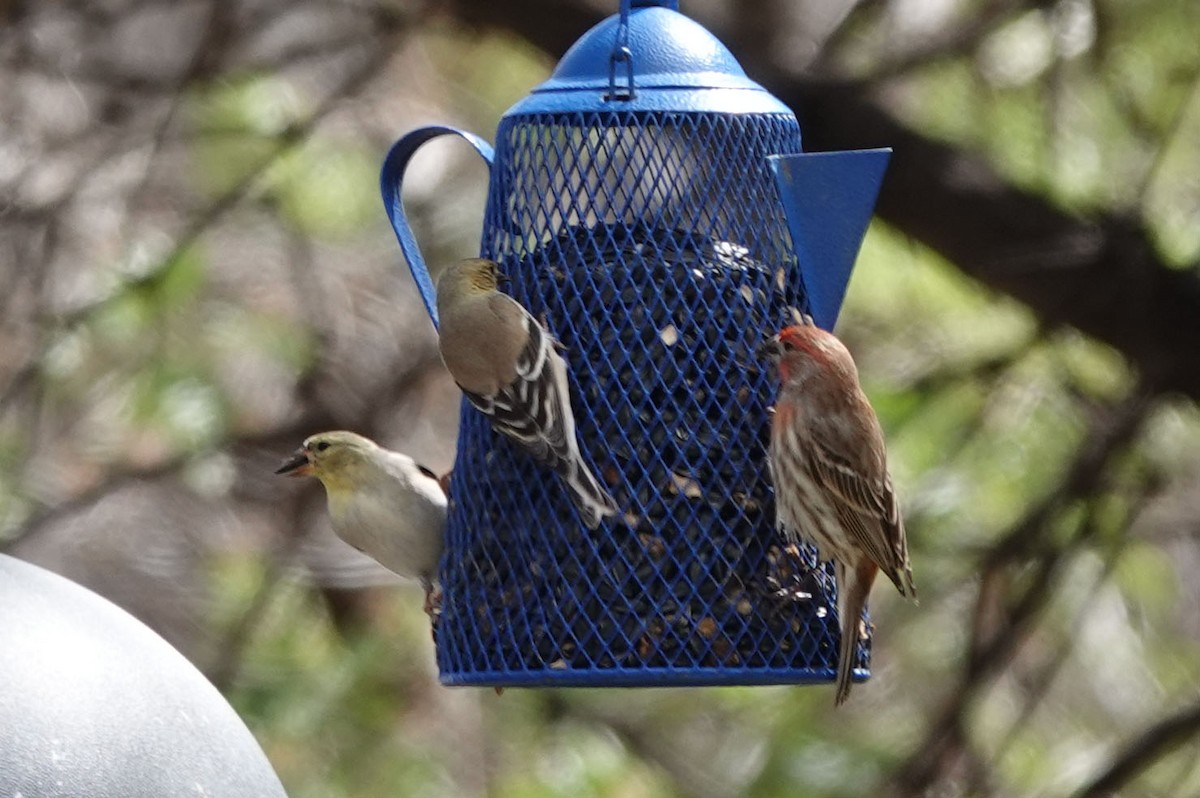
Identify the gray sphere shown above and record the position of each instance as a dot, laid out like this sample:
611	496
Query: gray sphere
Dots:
93	703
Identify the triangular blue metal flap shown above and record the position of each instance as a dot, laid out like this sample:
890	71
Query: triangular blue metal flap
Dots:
828	198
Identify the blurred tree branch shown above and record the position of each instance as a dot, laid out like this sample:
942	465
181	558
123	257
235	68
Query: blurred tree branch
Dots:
1145	750
203	221
1006	610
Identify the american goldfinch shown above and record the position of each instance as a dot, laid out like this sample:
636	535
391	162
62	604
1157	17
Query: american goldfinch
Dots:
508	368
380	502
832	486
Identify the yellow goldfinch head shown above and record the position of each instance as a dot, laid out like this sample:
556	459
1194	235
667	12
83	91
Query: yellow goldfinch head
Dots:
471	276
335	458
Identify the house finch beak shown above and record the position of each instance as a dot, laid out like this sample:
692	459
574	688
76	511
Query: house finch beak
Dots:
832	486
506	365
380	502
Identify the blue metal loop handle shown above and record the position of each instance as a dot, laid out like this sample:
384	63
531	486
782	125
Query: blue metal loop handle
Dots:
391	179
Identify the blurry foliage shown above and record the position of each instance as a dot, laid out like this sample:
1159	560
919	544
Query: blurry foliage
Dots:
203	275
1094	104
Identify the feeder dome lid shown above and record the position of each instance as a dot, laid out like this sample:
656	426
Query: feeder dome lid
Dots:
677	65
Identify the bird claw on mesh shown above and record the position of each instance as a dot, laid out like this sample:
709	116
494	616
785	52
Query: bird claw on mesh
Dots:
433	603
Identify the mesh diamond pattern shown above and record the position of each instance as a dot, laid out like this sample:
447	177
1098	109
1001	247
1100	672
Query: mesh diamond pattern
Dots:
654	247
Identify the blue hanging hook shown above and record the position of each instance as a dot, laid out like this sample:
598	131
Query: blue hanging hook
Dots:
621	54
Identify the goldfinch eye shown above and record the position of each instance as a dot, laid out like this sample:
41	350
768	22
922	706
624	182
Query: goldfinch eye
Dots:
322	446
788	346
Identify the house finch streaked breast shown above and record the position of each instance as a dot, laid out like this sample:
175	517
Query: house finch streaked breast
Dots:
506	364
829	467
380	502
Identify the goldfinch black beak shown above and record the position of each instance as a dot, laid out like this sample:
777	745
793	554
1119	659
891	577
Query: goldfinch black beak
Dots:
298	465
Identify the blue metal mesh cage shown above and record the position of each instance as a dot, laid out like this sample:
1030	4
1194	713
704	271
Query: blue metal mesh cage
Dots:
652	206
656	250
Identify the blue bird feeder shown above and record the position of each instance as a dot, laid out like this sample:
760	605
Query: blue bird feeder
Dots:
652	204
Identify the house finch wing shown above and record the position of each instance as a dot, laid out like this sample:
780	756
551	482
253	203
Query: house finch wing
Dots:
865	501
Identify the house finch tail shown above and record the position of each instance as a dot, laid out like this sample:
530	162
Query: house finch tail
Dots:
854	585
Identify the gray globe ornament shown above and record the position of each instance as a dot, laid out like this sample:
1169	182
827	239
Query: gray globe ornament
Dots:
94	703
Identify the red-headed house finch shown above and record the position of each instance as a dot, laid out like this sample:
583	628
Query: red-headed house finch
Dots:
506	365
829	467
380	502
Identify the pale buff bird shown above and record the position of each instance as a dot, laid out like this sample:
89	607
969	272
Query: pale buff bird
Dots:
506	364
380	502
832	486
